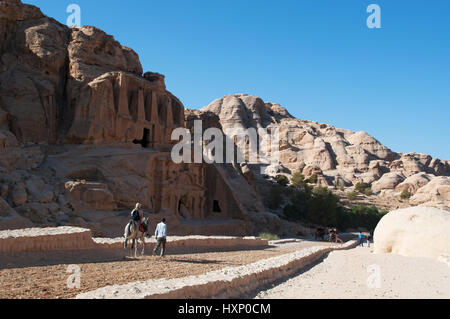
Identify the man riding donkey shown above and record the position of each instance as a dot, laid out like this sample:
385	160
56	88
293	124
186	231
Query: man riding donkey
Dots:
136	229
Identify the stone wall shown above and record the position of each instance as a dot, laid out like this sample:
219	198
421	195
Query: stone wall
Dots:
177	244
45	239
73	238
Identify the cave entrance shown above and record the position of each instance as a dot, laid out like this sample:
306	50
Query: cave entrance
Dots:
180	203
216	207
145	142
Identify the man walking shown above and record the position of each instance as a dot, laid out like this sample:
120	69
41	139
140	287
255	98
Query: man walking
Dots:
161	234
369	239
360	236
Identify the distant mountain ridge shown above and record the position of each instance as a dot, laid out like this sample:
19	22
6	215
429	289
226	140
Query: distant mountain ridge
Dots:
337	156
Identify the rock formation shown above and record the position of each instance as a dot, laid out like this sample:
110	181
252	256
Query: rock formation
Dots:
437	192
84	135
415	231
336	156
62	85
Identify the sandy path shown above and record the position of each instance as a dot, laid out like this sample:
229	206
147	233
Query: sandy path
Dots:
47	279
344	274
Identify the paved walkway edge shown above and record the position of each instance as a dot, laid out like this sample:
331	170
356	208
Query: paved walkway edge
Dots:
225	283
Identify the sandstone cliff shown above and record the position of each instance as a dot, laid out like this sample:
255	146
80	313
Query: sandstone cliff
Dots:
337	156
84	135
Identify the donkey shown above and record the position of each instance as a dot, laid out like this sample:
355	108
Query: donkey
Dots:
133	232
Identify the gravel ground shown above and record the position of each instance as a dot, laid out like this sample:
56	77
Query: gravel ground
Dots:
44	276
346	274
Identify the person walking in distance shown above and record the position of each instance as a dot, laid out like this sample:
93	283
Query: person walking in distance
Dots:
161	235
369	239
361	237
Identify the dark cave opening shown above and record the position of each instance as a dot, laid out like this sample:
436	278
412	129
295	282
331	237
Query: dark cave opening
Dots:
216	207
145	139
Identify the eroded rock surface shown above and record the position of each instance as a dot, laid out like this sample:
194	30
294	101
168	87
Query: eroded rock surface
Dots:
338	157
84	135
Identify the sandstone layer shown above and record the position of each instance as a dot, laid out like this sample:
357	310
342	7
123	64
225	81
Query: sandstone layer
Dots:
338	157
49	239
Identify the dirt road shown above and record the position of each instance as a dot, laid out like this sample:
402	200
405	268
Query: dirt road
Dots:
354	274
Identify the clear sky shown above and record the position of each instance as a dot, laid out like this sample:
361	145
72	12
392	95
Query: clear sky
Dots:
317	58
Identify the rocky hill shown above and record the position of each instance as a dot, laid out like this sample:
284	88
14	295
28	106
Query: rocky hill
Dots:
85	134
339	157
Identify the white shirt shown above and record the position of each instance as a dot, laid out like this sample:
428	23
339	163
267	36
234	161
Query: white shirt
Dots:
161	230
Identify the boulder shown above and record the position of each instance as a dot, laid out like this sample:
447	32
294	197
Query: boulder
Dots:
34	185
388	181
414	231
36	212
9	219
97	195
310	170
371	145
4	188
5	209
44	197
19	194
414	182
437	190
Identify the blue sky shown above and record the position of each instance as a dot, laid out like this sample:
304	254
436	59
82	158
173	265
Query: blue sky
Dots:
317	58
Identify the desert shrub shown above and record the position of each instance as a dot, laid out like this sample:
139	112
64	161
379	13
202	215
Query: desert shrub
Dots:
322	207
405	194
368	191
352	195
360	216
339	184
298	180
317	206
361	187
282	180
313	179
275	197
296	210
268	236
293	213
